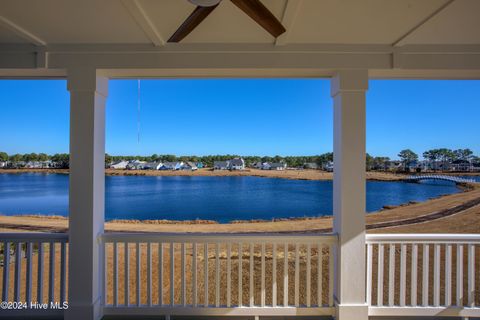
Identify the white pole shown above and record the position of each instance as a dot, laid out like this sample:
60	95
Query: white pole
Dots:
348	89
88	93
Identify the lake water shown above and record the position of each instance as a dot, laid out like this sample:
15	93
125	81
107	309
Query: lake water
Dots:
214	198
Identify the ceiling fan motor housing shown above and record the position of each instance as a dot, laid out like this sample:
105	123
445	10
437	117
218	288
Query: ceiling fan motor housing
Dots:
205	3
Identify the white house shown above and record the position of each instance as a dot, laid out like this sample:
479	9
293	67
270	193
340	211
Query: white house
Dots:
278	166
220	165
3	164
236	164
136	165
176	165
153	165
119	165
189	166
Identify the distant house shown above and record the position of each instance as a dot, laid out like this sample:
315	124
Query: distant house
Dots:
257	165
136	165
278	166
3	164
176	165
189	166
153	165
199	165
38	164
461	165
328	166
265	166
220	165
236	164
310	165
233	164
119	165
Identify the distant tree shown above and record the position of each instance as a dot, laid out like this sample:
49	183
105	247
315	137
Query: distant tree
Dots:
407	156
16	157
463	154
432	155
3	156
369	162
42	157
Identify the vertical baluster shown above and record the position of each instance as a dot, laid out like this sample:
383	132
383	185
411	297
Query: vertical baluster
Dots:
459	302
413	280
63	272
229	274
309	274
160	274
51	278
105	272
28	279
391	276
297	275
330	275
183	279
251	276
40	273
448	275
139	276
172	274
126	257
240	275
6	270
194	274
403	274
285	276
217	274
320	275
436	275
380	275
149	273
425	290
115	273
205	254
262	280
369	274
471	275
274	275
18	271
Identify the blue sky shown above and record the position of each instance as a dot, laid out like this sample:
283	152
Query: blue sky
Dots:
247	117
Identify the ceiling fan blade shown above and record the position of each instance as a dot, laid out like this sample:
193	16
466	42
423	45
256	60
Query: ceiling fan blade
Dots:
193	20
258	12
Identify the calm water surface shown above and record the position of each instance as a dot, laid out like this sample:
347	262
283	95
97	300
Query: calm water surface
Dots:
213	198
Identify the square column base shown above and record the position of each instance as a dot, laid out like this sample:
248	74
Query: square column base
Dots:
351	312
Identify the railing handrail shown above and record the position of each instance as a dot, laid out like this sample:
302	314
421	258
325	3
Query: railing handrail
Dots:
219	237
423	238
33	237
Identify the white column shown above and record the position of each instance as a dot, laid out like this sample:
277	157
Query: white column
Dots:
88	93
348	91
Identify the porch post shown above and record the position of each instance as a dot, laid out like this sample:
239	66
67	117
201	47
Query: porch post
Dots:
348	91
88	93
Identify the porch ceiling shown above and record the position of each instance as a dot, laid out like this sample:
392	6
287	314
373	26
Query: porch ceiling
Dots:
372	34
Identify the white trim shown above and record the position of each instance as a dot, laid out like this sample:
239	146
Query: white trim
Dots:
424	311
288	19
21	32
143	20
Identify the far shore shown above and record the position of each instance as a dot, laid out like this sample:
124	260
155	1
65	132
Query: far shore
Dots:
306	174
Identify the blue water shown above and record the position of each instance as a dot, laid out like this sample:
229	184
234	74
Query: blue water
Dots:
214	198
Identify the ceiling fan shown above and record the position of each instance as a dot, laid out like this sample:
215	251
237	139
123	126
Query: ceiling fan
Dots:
253	8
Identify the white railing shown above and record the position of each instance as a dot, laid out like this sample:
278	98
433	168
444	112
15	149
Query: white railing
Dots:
218	274
423	275
34	271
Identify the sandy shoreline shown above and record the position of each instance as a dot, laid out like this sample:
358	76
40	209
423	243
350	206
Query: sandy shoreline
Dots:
285	174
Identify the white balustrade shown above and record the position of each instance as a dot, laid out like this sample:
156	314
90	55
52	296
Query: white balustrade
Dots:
34	272
426	275
219	274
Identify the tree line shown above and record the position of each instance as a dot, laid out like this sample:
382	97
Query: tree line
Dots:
406	156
